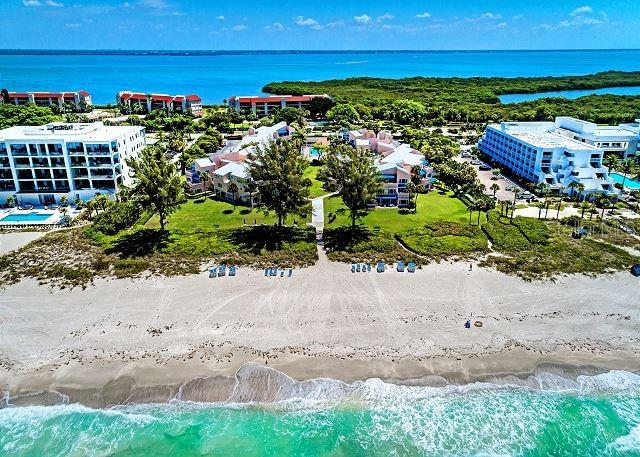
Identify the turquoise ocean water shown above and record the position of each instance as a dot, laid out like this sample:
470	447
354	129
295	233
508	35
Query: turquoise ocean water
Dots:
590	416
216	76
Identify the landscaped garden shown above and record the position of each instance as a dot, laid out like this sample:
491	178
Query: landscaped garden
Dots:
317	189
431	207
438	228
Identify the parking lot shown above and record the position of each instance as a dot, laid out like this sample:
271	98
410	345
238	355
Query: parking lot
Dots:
485	177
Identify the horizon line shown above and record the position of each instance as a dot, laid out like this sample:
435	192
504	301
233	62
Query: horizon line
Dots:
286	51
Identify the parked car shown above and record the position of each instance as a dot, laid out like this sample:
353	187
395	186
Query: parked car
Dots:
485	167
525	195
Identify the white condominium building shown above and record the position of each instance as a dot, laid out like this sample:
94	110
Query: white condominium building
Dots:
536	152
622	140
39	165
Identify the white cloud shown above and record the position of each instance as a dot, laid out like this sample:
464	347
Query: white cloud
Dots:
31	2
155	4
339	23
308	22
277	26
490	16
385	17
577	18
424	15
363	19
239	28
517	17
484	17
221	18
54	4
502	25
582	10
126	4
73	25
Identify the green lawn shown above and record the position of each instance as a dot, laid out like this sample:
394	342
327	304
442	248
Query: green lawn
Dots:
316	187
432	207
207	214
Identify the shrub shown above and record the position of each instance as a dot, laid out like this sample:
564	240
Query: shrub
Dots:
118	216
534	230
445	239
504	235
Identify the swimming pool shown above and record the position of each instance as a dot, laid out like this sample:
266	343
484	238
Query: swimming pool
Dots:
27	217
628	183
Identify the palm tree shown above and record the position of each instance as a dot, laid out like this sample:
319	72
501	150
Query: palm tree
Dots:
627	166
495	188
612	162
604	201
416	180
205	177
572	188
232	188
484	205
412	190
636	194
516	192
580	188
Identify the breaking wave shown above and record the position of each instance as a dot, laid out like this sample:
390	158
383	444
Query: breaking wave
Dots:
269	413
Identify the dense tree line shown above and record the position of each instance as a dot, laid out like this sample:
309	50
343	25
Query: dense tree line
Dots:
12	115
415	101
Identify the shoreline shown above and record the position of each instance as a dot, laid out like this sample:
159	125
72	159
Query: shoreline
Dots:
139	340
118	384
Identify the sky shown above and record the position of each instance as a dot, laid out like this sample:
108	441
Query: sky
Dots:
319	25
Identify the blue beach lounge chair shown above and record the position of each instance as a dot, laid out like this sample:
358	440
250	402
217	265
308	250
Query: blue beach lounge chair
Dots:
222	270
290	272
380	267
232	270
400	266
411	268
369	267
213	272
266	272
358	267
353	268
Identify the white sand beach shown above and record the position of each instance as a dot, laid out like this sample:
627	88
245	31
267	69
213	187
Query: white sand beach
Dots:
323	322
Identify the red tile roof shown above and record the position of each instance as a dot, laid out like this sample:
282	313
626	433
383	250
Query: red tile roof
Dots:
193	98
161	98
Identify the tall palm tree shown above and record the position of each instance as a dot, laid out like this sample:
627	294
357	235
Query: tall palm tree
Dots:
412	190
626	167
205	177
572	188
232	188
604	201
495	188
516	192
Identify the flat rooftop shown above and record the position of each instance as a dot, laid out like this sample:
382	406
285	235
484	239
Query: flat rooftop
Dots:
541	135
95	131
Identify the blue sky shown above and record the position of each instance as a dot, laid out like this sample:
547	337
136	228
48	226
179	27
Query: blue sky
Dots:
328	24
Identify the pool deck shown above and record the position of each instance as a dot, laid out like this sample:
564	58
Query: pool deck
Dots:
53	219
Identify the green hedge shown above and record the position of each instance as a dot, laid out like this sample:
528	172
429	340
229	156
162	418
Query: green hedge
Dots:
445	239
504	235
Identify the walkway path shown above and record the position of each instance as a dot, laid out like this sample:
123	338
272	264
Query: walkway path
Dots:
317	220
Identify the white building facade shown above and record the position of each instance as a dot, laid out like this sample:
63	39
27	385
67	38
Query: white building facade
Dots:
622	140
536	152
39	165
